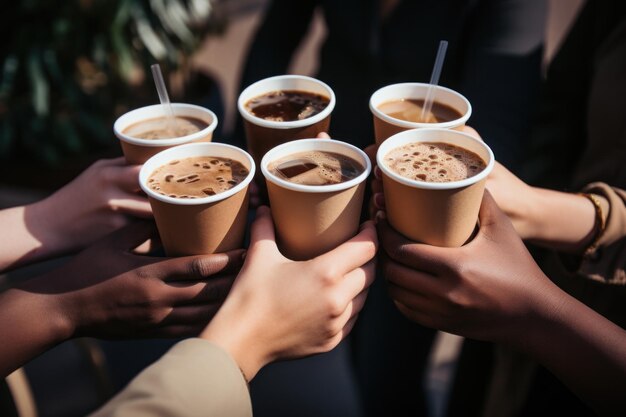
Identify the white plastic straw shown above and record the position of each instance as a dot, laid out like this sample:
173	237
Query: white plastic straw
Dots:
164	98
434	80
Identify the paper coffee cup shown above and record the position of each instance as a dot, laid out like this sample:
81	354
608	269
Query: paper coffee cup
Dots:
313	219
138	151
440	214
386	126
262	135
202	225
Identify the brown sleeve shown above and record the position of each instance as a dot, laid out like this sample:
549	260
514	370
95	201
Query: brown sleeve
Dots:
608	263
194	378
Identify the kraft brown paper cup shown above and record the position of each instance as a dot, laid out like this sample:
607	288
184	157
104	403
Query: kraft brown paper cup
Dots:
440	214
262	135
203	225
386	126
313	219
138	151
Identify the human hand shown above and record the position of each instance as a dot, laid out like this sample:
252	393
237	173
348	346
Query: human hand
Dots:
280	309
487	289
107	291
518	200
100	200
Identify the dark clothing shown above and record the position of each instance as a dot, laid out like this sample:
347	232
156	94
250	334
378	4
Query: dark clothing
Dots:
580	138
493	58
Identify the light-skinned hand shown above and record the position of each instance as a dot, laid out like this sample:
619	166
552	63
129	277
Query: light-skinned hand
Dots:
100	200
279	309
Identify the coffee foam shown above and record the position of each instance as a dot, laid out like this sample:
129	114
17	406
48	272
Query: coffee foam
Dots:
434	162
287	105
316	168
197	177
157	128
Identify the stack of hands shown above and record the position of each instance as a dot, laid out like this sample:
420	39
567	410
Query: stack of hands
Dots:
489	289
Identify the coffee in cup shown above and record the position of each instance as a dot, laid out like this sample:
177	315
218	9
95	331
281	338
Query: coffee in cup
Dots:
284	108
287	105
158	128
434	180
144	132
315	189
199	196
398	107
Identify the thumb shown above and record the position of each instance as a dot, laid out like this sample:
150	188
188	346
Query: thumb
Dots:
490	216
262	230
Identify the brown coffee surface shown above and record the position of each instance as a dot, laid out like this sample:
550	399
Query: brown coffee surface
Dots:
157	128
197	177
434	162
287	105
316	168
411	111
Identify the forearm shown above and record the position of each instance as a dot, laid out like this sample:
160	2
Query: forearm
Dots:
236	337
22	236
562	221
583	349
30	323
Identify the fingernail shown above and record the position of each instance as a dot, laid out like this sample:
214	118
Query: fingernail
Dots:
380	215
379	200
377	173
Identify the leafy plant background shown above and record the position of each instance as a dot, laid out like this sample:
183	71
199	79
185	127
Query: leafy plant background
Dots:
69	68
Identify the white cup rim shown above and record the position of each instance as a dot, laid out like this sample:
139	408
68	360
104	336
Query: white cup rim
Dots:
303	145
187	151
373	104
246	95
431	135
122	123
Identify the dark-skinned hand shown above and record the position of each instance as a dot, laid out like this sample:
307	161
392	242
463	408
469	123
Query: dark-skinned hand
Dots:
482	290
110	292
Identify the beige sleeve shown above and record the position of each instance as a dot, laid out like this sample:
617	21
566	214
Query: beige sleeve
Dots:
194	378
608	263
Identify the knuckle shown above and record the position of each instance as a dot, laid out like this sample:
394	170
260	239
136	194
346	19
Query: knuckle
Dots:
328	274
398	252
331	343
335	306
199	267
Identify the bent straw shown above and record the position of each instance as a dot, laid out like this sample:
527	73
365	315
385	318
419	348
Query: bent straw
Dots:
164	98
434	80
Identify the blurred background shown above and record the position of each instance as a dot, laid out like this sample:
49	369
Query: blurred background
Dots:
67	71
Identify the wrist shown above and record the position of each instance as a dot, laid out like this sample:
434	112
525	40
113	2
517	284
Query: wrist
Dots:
541	319
234	331
534	216
31	324
52	305
46	226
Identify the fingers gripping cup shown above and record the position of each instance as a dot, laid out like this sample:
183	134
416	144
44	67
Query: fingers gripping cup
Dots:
143	132
315	189
284	108
199	196
398	107
434	180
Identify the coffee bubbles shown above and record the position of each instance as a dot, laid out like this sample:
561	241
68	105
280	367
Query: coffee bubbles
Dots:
287	105
197	177
434	162
316	168
157	128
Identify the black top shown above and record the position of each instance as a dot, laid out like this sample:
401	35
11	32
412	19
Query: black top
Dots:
494	57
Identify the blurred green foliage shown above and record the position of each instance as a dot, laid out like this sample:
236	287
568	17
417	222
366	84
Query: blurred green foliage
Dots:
68	68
